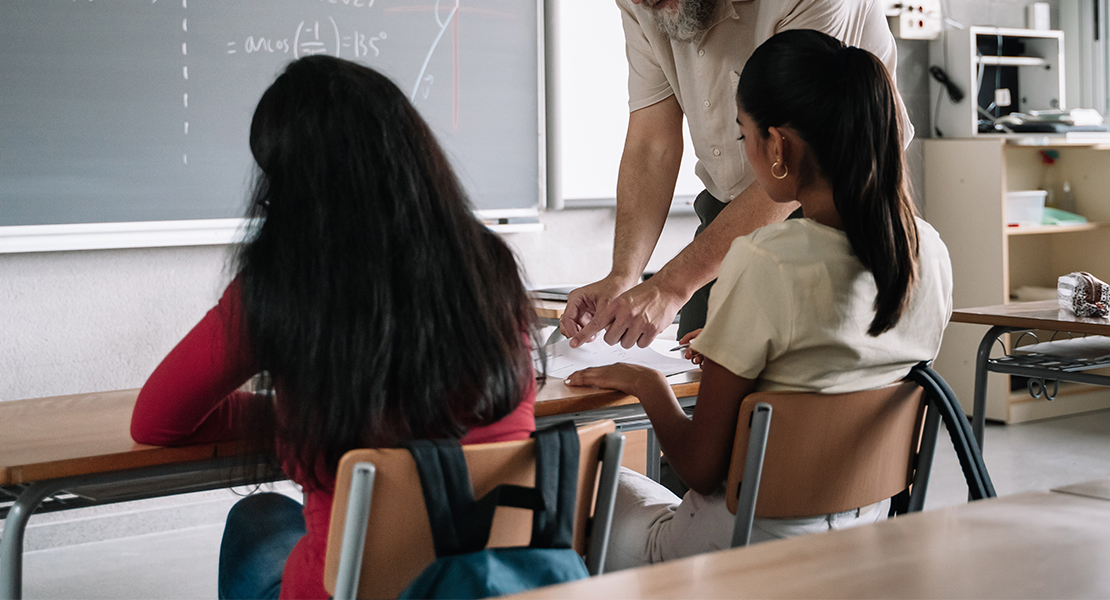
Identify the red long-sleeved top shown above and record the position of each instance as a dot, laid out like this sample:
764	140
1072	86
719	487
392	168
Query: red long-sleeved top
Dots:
192	397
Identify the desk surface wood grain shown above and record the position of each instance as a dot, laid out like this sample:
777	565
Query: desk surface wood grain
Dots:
80	434
1044	314
1032	545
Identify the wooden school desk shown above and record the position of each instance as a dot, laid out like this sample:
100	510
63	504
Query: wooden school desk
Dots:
72	451
1040	366
1031	545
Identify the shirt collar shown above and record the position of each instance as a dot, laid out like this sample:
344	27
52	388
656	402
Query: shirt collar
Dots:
726	9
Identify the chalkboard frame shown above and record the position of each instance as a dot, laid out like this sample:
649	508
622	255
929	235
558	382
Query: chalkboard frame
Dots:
202	232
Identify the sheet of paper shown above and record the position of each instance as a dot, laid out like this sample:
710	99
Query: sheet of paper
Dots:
562	360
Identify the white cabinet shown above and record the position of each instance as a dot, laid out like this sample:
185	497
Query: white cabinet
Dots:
965	185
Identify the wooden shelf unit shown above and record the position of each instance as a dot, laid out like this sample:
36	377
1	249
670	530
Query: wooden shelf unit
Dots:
966	181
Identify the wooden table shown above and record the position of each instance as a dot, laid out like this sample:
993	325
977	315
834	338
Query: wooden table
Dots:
1031	545
1041	366
81	444
81	434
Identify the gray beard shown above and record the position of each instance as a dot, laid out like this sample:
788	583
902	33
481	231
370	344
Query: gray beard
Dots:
689	23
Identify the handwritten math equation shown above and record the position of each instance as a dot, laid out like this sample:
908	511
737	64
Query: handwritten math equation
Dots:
314	37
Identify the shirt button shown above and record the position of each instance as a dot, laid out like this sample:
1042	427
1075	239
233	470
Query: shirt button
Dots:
716	152
707	104
701	52
732	196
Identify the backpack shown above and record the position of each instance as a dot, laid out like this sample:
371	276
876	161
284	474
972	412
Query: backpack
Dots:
464	567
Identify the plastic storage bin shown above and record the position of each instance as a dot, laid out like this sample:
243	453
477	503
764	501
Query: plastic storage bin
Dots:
1025	208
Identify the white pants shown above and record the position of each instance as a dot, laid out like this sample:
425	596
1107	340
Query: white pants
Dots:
651	524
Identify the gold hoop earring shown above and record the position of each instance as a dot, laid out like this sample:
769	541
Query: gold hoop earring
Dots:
785	171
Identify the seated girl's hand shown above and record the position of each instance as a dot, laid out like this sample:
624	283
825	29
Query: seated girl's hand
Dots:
691	355
630	379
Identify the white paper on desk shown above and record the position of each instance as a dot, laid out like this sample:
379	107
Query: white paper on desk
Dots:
562	360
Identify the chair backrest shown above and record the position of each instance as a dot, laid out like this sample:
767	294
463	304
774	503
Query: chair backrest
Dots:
398	535
830	453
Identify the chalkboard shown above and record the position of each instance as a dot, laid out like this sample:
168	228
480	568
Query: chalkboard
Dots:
139	110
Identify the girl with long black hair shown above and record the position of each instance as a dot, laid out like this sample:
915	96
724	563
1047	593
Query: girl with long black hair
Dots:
377	305
848	298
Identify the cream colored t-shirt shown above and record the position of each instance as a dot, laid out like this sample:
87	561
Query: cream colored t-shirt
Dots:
792	305
703	76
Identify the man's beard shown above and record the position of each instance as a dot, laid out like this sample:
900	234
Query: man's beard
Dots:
686	23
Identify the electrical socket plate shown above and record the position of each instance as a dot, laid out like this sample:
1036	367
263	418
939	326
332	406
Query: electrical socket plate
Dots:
914	20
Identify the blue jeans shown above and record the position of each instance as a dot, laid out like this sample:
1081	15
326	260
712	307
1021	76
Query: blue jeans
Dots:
260	533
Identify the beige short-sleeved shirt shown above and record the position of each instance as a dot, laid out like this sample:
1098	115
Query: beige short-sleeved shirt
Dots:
703	76
792	305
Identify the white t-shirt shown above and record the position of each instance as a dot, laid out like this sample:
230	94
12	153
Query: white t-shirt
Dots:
792	305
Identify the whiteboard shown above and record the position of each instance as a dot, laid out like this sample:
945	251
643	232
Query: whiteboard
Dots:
592	97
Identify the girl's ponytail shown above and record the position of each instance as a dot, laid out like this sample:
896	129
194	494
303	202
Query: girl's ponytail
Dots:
842	102
869	187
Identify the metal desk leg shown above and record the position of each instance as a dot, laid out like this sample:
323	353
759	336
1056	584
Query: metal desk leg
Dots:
979	414
11	544
161	480
652	455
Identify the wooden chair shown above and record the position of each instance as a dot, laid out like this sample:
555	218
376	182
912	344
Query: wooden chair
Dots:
828	453
394	527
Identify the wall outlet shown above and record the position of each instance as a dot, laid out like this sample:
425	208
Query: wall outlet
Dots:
914	20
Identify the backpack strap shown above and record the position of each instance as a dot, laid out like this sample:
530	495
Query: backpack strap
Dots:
460	524
557	481
448	495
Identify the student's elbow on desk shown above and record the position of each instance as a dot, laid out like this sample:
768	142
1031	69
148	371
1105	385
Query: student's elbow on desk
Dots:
143	434
148	424
152	434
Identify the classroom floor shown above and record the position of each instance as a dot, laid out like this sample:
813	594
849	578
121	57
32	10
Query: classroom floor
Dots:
182	563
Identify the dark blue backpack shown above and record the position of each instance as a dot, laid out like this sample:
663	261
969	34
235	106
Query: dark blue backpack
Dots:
464	568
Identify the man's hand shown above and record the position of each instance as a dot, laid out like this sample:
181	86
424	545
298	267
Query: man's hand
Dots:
584	303
634	318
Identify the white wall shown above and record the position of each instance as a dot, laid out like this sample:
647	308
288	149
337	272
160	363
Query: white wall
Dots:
99	320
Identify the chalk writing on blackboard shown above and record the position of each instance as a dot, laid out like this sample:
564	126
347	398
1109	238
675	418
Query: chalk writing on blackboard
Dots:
443	23
314	37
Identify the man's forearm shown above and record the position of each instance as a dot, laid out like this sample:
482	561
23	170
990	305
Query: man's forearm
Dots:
644	194
699	262
645	185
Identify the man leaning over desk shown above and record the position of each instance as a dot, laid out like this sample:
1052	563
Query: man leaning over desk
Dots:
685	58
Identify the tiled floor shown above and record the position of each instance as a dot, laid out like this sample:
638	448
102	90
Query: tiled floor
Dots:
182	563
